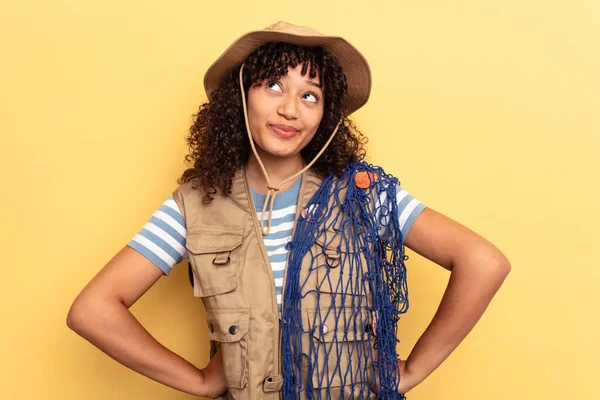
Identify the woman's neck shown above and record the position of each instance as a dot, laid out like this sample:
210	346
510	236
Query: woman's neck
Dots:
278	169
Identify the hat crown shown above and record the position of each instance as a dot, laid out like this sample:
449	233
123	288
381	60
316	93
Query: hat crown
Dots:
286	27
353	63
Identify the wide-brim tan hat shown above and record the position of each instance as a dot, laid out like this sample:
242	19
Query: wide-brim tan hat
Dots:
353	63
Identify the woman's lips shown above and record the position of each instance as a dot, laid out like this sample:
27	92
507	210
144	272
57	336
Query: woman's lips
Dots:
283	133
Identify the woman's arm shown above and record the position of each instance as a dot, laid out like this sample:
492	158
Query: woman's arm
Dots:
477	268
100	314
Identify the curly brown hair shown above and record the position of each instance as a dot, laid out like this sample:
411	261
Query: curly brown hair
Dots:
218	140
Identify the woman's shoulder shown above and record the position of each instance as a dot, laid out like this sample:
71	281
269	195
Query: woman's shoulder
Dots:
189	189
365	174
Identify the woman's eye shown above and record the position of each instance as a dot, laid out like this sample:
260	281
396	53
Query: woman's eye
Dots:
271	84
314	99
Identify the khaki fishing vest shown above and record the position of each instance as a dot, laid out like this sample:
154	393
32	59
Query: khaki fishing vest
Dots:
233	277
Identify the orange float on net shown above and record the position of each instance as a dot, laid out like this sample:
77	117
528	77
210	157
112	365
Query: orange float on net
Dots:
364	179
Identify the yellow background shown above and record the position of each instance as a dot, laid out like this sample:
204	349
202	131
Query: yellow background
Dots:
487	111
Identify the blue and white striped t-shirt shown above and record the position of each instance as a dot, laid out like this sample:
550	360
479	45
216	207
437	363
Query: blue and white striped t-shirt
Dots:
282	225
162	239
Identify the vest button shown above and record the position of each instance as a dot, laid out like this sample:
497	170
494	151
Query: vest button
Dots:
324	329
233	329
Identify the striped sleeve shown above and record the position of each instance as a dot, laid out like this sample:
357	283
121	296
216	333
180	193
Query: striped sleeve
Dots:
409	209
162	239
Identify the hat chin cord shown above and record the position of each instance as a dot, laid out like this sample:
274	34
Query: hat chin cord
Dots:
270	199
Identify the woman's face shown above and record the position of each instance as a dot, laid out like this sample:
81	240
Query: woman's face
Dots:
284	114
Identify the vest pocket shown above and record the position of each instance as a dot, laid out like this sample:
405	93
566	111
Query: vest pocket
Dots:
339	271
229	327
214	256
342	342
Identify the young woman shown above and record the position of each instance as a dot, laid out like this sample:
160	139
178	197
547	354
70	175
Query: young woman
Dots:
295	243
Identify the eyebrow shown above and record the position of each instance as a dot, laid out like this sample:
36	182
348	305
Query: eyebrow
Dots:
314	84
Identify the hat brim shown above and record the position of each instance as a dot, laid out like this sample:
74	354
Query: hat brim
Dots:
353	63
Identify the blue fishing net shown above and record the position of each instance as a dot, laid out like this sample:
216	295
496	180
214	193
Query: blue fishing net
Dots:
345	291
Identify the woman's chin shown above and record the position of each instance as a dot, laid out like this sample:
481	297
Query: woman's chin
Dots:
279	151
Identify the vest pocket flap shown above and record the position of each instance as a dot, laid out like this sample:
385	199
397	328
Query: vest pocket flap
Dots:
335	243
332	243
340	325
227	326
214	254
213	240
347	279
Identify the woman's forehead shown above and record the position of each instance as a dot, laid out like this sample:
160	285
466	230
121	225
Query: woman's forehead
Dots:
296	74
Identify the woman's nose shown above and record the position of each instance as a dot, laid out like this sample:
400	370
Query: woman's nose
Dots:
288	107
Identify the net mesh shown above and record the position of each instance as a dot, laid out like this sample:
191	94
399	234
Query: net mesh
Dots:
345	290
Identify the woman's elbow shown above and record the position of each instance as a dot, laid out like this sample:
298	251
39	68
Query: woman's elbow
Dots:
501	264
505	267
83	313
77	315
498	270
491	265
